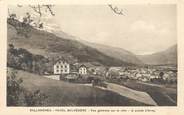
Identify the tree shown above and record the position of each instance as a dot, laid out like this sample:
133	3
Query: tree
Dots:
14	91
161	74
24	28
13	16
18	96
20	58
35	98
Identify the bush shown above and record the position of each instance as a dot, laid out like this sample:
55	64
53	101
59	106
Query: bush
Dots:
35	98
157	81
18	96
14	91
24	60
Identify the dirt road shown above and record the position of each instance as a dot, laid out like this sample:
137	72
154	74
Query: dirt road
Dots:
130	93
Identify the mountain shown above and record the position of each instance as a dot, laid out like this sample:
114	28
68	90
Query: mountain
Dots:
168	56
117	53
49	45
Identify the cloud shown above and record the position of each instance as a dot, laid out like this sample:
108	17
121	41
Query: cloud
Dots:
141	25
99	37
147	28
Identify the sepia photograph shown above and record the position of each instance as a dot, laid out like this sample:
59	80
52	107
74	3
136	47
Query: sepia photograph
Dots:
91	55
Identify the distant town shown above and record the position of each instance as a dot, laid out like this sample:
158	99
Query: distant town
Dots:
154	74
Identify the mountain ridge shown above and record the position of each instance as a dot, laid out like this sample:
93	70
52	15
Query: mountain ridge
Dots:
118	53
168	56
50	45
115	52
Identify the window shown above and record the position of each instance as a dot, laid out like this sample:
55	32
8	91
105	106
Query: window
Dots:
65	70
57	66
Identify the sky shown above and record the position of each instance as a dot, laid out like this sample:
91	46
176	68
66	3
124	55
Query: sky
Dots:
143	29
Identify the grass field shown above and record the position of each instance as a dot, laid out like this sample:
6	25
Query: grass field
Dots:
68	94
163	96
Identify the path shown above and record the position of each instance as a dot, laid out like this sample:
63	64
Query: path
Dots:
132	94
129	93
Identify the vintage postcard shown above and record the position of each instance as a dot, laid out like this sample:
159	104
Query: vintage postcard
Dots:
92	57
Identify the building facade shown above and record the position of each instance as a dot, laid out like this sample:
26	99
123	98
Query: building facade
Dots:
83	70
61	67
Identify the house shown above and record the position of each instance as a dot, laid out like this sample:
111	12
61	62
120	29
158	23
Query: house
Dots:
82	69
143	78
61	66
99	70
138	75
115	69
166	76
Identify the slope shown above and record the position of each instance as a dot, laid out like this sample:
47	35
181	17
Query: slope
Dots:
50	45
68	94
168	56
117	53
